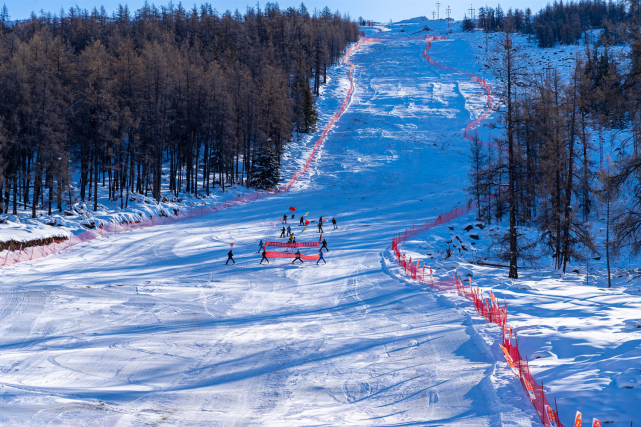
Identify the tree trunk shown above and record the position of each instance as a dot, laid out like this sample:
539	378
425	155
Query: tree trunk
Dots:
511	162
607	240
568	188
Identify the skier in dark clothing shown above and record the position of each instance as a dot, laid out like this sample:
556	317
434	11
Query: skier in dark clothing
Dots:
285	219
264	257
334	222
282	233
260	246
298	258
302	221
321	257
324	246
320	221
320	227
230	257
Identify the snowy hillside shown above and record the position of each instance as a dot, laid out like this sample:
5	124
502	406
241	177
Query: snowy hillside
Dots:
151	326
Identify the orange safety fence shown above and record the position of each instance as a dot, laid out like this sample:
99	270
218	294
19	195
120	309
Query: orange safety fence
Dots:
17	255
291	255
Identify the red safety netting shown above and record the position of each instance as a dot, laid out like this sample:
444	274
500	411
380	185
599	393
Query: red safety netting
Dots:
488	307
474	78
292	245
335	117
16	255
441	219
295	245
492	311
291	255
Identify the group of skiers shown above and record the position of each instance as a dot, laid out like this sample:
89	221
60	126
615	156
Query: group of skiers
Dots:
261	247
303	223
320	225
287	232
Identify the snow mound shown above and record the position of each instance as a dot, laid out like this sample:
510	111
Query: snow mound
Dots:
28	230
543	354
632	324
633	290
631	378
417	20
464	272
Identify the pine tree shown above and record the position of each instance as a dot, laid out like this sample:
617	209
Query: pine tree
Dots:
509	68
477	173
467	24
202	93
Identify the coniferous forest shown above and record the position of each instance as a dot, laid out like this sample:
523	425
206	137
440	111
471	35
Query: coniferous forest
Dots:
567	163
117	101
557	23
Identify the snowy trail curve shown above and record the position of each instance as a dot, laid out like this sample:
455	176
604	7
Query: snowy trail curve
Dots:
151	326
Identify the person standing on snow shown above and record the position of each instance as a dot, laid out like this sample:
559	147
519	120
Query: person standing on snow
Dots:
285	219
289	230
334	222
282	233
320	227
230	257
264	257
324	246
260	245
321	257
302	221
298	258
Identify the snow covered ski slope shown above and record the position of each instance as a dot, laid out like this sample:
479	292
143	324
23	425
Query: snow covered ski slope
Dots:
151	326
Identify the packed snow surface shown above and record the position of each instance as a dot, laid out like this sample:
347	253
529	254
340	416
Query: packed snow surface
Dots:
151	326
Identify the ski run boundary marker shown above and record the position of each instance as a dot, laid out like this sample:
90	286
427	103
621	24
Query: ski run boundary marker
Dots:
490	308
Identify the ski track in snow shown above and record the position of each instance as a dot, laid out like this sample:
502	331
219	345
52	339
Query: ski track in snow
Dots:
151	326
